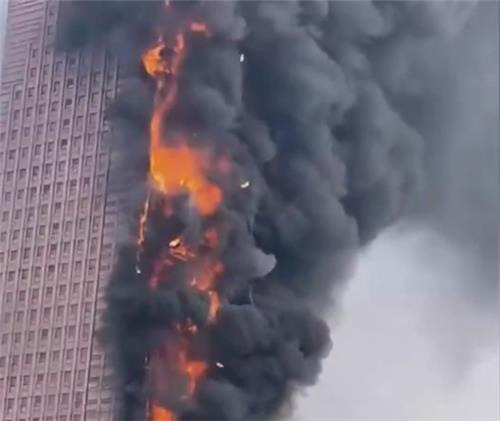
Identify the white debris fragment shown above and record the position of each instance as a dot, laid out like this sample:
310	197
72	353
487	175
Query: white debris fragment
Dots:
245	184
219	364
175	242
242	58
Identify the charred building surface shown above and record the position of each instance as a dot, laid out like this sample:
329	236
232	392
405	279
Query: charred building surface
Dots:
260	151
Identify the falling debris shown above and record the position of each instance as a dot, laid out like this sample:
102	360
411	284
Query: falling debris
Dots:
242	58
219	364
245	184
174	243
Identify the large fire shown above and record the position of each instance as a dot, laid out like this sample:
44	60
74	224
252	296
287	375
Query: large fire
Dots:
177	168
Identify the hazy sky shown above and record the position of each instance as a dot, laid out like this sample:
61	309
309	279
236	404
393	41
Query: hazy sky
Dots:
407	346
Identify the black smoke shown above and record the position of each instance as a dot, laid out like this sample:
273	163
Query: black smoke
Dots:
290	92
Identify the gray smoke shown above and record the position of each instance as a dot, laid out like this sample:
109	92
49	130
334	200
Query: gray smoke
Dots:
316	122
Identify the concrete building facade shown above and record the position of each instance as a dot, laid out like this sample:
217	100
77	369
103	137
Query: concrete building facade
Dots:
56	221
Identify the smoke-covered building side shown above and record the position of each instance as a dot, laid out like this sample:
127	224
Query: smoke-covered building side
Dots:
56	228
260	149
255	147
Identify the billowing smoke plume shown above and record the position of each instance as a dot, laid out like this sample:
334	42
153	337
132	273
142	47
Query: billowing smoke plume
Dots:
318	162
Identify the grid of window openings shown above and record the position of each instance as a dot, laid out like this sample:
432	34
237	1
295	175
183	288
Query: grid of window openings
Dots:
56	221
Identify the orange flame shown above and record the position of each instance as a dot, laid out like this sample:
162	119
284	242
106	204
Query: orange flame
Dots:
192	369
142	222
163	59
159	413
176	170
206	282
214	305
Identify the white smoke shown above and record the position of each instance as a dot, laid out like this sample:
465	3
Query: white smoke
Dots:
407	346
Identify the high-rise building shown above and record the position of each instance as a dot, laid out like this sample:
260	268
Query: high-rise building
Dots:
56	221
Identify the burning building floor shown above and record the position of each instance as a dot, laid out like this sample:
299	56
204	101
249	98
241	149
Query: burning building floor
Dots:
264	152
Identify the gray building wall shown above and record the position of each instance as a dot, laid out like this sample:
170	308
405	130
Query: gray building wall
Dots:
56	221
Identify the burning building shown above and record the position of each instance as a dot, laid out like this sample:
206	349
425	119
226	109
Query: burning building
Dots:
259	153
253	152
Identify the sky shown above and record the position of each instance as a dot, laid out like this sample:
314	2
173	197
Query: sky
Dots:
407	345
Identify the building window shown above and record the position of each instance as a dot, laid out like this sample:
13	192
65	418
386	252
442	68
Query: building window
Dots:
44	334
42	356
22	296
48	169
92	120
70	330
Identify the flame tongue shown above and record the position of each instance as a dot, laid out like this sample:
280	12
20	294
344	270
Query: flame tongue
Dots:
180	168
176	169
160	413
